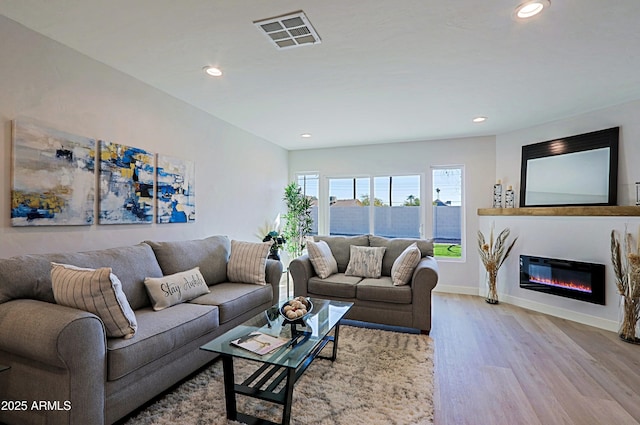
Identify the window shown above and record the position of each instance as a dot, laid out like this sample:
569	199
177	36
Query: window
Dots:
349	206
310	187
447	211
397	209
386	206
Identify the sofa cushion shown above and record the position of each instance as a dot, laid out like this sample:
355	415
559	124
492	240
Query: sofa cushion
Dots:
395	246
175	288
365	261
248	262
159	333
336	285
26	276
210	254
322	259
130	263
341	247
405	264
96	291
235	299
383	289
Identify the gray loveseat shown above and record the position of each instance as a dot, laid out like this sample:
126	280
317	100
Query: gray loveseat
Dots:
375	300
62	355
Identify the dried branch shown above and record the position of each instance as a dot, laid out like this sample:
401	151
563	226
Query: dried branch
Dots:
495	252
616	260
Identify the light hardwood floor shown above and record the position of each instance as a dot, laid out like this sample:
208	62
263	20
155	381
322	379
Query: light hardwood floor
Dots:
502	364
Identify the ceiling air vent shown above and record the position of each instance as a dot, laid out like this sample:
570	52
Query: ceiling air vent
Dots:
287	31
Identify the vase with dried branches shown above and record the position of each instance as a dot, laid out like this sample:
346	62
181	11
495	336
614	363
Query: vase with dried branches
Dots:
625	257
493	253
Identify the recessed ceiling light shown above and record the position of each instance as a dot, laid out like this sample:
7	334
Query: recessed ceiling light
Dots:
531	8
213	71
305	135
479	119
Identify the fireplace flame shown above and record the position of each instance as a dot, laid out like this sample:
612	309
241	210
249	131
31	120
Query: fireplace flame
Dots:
575	286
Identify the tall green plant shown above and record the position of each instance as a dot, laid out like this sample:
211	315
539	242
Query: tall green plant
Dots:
297	219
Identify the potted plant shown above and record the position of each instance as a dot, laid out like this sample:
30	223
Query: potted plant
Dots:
271	231
278	243
297	219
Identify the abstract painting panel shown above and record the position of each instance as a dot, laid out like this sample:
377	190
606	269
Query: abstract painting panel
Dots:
53	180
126	184
176	190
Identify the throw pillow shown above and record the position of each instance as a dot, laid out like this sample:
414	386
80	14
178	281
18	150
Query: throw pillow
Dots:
405	264
97	291
322	259
175	288
365	261
248	261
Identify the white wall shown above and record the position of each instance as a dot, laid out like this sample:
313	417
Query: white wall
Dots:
239	177
476	155
576	238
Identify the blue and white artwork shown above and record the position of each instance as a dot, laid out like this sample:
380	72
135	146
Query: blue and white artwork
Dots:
176	190
53	179
126	184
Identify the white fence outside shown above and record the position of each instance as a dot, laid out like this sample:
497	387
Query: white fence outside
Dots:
393	222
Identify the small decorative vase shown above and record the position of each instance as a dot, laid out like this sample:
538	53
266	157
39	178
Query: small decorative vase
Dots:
630	308
497	195
492	283
509	198
274	254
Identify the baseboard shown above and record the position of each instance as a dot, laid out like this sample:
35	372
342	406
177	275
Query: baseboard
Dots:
597	322
455	289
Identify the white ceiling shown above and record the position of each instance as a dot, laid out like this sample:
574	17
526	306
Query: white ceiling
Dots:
386	71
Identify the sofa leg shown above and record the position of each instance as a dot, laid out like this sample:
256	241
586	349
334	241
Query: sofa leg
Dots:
424	332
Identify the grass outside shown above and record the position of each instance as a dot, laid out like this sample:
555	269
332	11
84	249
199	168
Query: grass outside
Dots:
447	250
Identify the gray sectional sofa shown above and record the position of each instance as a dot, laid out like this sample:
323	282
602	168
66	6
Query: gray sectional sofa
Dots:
62	354
376	300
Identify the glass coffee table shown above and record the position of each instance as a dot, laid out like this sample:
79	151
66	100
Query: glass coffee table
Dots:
278	370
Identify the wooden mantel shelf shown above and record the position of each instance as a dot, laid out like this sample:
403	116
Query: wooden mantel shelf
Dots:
564	211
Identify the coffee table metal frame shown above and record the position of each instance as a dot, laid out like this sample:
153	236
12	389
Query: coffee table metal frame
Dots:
275	379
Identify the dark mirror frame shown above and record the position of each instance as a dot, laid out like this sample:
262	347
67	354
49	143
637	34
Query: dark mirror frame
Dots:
607	138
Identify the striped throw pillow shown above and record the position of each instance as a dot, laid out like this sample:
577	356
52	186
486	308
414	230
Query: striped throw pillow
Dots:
248	261
405	264
322	259
97	291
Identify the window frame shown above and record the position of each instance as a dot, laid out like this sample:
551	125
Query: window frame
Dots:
463	220
305	176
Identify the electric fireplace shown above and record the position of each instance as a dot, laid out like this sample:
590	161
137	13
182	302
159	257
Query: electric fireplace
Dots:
566	278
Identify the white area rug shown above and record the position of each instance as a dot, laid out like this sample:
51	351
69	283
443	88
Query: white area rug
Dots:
379	377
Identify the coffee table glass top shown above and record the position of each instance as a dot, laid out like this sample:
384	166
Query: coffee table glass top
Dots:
323	318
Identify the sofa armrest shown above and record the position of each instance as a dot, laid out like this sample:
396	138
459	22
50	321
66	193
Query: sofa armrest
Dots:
273	275
56	353
425	278
301	271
